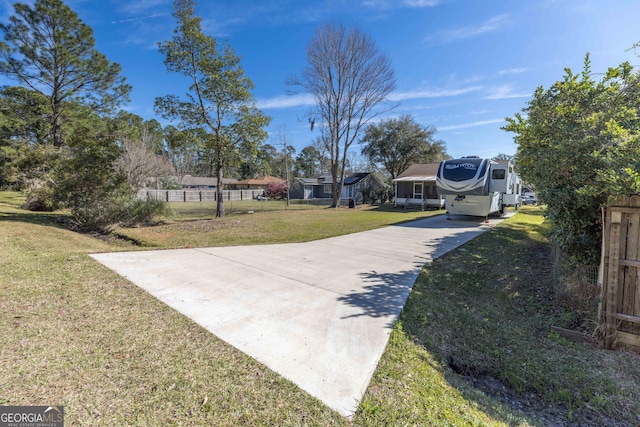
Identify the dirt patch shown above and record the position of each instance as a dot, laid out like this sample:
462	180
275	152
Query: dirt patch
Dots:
531	407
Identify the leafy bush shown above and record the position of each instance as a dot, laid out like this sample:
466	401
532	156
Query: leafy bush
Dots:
379	195
32	169
99	214
90	184
138	211
578	144
84	177
384	194
40	197
368	195
276	191
104	213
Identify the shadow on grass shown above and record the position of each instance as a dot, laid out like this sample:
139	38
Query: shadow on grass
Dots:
386	292
484	314
480	311
11	211
57	220
462	311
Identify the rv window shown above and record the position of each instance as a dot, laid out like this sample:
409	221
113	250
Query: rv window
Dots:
498	173
460	169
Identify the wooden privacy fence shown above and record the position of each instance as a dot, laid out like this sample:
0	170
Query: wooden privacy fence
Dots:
198	195
620	312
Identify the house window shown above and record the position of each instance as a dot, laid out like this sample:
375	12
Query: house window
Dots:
326	189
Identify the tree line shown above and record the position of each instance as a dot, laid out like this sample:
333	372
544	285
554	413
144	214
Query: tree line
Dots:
65	140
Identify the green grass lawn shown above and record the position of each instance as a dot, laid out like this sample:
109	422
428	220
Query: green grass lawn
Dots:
476	328
472	347
190	228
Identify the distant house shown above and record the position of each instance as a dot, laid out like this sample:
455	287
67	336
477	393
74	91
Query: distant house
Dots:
416	187
320	187
204	183
257	183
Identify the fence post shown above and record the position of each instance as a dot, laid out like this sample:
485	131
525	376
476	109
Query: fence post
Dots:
615	219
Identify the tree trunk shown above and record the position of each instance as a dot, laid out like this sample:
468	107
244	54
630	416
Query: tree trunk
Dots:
220	197
57	124
57	133
335	187
343	166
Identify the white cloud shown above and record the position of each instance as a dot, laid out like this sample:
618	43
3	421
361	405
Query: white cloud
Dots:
505	92
303	100
514	71
490	26
139	19
421	3
391	4
376	4
470	125
417	94
286	101
143	6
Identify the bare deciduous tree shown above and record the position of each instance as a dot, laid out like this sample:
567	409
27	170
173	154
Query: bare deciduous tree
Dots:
321	145
349	78
183	150
140	162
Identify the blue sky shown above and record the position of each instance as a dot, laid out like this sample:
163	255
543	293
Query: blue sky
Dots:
462	66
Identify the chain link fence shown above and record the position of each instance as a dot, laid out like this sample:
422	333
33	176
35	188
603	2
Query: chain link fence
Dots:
576	288
564	267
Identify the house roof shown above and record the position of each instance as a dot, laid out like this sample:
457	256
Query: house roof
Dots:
419	172
309	181
261	180
355	178
325	179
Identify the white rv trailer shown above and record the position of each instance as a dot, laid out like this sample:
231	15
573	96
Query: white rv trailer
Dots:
478	187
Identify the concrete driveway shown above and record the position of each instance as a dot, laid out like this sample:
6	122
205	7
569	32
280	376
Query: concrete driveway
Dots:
318	313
